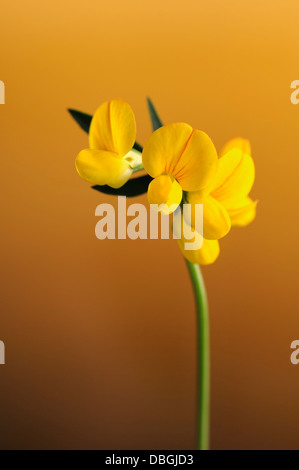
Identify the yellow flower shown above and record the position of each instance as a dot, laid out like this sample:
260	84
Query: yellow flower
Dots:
179	159
225	201
111	158
207	254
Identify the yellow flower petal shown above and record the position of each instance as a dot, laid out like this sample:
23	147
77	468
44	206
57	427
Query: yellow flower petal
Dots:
216	220
243	215
197	164
239	143
207	254
235	178
163	147
188	155
113	128
100	167
166	192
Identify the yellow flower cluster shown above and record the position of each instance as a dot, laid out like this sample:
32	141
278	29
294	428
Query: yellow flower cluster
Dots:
184	165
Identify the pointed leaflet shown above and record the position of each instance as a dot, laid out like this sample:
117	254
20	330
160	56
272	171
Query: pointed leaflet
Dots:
82	119
156	121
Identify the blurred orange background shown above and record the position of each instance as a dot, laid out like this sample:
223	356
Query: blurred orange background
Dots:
100	335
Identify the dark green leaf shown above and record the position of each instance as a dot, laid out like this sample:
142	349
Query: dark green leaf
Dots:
134	187
156	121
84	121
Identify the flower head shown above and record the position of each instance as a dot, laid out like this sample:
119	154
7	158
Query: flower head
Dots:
110	158
179	158
225	200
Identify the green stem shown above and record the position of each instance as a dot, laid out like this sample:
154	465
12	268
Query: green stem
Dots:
203	357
